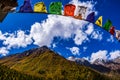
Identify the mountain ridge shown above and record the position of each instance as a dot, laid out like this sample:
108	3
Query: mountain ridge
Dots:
101	62
48	65
108	67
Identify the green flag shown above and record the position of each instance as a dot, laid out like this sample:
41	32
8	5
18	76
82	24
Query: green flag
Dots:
55	8
107	25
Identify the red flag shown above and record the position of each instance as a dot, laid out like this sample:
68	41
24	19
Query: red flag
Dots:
112	30
69	10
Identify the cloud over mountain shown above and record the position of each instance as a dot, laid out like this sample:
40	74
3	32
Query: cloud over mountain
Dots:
104	55
115	54
99	55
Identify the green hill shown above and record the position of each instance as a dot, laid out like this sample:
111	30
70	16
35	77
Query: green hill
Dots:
9	74
48	65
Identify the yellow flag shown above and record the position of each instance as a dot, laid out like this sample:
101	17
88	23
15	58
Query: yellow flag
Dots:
40	7
99	21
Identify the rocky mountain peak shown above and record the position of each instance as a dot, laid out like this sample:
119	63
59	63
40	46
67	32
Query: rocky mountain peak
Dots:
99	61
117	60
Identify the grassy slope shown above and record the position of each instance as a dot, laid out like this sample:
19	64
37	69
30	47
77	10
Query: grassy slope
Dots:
49	65
9	74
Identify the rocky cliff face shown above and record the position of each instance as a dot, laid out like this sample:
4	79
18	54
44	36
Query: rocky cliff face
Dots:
7	5
113	65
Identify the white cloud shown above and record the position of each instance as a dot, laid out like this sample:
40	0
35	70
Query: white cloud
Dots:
90	29
54	45
75	50
71	58
114	54
86	58
80	37
101	54
84	49
59	26
20	39
111	39
97	35
2	36
4	51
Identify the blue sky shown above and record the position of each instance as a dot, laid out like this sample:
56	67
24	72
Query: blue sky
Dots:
65	35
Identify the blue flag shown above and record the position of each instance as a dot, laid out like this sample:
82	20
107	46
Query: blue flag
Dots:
26	7
91	17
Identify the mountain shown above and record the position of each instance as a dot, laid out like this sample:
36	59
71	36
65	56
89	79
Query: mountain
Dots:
97	64
80	61
48	65
10	74
113	65
100	64
117	60
109	67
